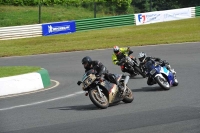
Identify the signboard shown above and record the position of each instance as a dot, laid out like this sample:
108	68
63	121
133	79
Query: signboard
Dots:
58	28
161	16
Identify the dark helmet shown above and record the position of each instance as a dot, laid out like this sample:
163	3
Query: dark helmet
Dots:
86	61
142	56
116	49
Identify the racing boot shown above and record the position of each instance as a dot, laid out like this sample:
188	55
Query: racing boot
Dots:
121	88
174	72
114	80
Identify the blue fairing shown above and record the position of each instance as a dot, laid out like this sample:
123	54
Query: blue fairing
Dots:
160	70
165	69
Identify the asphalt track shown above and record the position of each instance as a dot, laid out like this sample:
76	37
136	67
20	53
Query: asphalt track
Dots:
65	109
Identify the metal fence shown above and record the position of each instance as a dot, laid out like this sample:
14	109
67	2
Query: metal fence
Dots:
197	11
25	31
105	22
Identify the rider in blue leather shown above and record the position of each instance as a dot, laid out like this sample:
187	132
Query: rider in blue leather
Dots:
143	58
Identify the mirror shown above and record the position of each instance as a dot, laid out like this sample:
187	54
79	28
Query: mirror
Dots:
79	82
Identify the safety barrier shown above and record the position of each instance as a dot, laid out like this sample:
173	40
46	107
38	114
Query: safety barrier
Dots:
197	11
104	22
24	31
193	11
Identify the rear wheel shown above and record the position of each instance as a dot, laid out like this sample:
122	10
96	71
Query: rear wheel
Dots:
100	102
128	96
162	82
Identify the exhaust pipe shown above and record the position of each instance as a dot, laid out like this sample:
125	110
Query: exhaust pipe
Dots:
126	80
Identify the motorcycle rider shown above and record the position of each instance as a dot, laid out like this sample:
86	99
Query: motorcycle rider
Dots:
143	58
118	54
101	71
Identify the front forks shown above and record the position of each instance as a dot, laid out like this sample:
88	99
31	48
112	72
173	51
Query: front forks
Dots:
100	94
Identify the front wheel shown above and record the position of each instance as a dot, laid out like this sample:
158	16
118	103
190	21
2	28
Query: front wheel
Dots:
100	102
128	96
162	82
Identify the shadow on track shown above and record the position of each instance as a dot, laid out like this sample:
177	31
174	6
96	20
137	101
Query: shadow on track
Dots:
136	77
78	108
149	89
84	107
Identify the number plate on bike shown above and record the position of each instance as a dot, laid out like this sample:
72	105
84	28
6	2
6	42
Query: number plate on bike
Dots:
152	72
88	80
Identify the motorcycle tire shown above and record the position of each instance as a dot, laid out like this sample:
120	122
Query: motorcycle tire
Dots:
139	71
160	82
102	103
128	96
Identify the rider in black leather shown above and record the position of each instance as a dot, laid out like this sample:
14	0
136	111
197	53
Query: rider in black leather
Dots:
100	69
143	58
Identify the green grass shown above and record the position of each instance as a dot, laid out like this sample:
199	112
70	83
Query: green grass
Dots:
187	30
26	15
6	71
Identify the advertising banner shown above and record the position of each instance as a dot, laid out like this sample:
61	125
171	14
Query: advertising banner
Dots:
58	28
147	18
177	14
161	16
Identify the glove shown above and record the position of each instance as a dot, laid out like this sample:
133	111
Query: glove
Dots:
118	63
130	52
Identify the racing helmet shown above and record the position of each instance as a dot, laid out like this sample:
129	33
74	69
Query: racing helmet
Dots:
86	61
116	49
142	56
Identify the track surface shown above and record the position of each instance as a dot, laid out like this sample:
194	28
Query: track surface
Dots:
65	109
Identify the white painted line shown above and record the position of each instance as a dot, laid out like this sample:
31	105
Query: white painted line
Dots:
40	102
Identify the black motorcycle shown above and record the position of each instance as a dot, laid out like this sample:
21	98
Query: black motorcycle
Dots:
131	64
103	93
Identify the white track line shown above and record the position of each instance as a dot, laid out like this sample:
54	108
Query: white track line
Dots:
40	102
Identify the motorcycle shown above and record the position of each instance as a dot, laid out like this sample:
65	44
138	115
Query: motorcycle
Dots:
103	93
132	64
161	75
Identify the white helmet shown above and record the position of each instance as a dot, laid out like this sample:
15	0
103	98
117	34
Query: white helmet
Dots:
115	49
142	56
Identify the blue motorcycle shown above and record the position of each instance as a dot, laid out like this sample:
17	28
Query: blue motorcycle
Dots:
160	75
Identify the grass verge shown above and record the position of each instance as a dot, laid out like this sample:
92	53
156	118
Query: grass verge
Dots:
187	30
6	71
